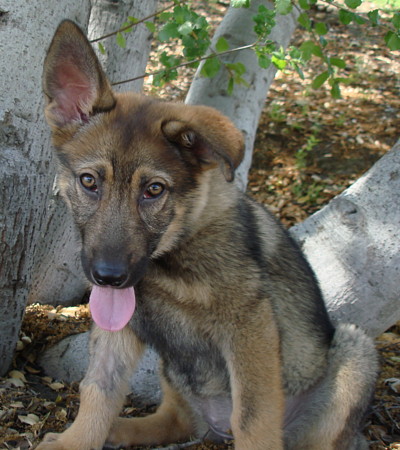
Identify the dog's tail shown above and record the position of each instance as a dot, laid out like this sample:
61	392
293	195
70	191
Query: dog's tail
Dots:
332	413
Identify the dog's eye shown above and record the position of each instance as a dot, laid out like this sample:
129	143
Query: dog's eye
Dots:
88	181
154	190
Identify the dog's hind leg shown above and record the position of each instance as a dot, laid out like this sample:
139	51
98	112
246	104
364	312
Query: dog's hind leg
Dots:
172	422
330	415
112	359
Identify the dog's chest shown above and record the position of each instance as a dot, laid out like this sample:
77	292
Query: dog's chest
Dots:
191	361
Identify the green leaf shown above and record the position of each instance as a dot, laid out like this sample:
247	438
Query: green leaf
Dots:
127	24
304	21
360	20
132	19
309	48
210	67
240	68
278	62
319	80
231	84
304	5
335	91
168	31
317	51
180	14
396	20
264	21
101	48
240	3
165	16
158	79
345	16
186	28
169	61
320	28
222	45
392	40
373	16
264	61
283	7
323	41
121	41
306	49
241	80
343	80
295	53
194	47
337	62
299	71
353	4
151	27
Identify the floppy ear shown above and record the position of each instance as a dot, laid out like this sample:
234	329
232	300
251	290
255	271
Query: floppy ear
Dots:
208	137
73	80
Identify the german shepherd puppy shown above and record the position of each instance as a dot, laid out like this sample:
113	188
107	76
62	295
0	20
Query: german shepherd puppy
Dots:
182	261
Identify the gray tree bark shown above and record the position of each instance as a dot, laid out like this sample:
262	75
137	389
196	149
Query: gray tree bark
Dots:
57	276
244	107
25	157
39	255
121	64
353	246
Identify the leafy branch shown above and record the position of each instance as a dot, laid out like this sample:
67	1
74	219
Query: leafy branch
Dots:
127	27
188	63
187	27
317	45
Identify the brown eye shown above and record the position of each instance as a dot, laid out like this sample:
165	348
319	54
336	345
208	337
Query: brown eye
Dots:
154	190
88	181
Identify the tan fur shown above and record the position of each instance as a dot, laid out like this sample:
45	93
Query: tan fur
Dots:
172	422
223	294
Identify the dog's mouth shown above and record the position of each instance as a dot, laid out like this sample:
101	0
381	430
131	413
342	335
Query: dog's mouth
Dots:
112	300
112	308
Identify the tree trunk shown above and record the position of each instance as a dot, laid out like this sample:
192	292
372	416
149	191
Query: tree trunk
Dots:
58	276
244	107
354	247
26	162
122	63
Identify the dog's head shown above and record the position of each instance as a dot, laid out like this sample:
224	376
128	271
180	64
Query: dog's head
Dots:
135	172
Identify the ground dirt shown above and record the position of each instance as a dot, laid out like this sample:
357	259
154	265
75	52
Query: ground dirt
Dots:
309	148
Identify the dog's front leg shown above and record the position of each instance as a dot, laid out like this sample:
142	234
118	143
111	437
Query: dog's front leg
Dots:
102	391
257	395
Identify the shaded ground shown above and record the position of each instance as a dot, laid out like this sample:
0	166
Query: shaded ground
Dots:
308	148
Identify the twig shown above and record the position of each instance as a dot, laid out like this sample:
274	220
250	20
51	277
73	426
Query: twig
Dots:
360	13
394	423
188	63
133	24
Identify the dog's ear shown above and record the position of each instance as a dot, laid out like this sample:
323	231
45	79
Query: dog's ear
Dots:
73	80
208	136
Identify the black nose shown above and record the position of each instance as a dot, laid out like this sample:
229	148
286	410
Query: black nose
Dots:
109	275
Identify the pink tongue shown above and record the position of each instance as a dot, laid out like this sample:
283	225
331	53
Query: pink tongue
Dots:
112	308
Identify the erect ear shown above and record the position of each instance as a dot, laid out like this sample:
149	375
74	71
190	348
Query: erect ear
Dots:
208	136
73	80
